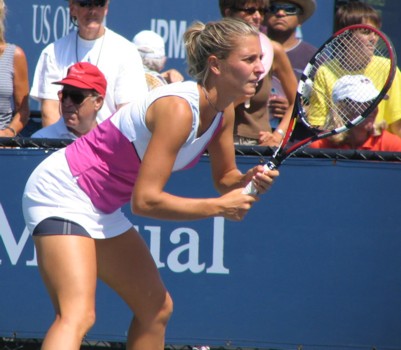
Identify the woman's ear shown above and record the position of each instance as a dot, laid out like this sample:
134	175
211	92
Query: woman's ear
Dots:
214	64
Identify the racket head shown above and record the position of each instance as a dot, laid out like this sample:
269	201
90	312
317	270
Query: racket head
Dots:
329	98
340	87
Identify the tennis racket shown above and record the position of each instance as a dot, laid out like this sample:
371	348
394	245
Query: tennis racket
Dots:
340	86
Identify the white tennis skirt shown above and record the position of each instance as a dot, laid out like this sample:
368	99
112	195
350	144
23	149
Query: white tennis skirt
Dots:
52	191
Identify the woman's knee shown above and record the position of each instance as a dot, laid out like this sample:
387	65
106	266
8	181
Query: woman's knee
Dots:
89	320
166	309
156	315
80	320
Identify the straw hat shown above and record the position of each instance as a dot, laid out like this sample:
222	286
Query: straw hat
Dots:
308	7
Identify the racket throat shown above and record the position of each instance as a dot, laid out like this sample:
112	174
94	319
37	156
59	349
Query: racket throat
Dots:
274	163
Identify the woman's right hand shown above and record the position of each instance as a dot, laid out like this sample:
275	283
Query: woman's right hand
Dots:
235	204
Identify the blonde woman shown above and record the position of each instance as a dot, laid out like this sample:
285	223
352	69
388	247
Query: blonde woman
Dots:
252	119
72	201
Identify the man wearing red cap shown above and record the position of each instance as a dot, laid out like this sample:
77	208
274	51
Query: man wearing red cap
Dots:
81	97
93	42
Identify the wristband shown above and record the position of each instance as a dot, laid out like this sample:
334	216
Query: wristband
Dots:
12	129
281	132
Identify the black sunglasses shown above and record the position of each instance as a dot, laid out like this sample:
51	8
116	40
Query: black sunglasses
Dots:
289	9
76	96
90	3
252	10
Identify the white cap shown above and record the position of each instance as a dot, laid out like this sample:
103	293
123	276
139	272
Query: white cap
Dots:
149	44
358	88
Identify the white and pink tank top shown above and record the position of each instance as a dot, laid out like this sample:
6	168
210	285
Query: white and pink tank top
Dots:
106	161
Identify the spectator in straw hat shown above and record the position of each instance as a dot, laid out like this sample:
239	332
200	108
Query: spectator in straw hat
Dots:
152	50
81	98
283	22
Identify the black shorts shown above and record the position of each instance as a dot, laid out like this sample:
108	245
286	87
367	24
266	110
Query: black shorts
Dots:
59	226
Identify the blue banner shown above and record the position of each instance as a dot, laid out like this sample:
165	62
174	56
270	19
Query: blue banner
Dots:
316	263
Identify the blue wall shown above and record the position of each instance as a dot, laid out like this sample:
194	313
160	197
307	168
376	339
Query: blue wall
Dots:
316	262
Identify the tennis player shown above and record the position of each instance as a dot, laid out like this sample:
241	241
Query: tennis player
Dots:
72	201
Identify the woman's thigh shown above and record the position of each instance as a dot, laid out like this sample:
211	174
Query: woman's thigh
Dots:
67	264
126	265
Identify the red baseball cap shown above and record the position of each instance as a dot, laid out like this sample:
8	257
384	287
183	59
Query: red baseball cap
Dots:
85	75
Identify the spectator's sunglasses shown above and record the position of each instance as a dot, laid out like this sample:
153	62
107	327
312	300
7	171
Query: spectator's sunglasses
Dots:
90	3
289	9
251	10
77	97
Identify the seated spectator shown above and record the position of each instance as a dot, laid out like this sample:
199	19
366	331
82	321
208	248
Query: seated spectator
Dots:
152	50
114	55
14	84
366	135
81	98
358	12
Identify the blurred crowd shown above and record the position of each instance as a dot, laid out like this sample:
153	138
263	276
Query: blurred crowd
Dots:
128	69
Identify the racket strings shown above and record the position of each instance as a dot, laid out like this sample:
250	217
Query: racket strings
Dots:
354	53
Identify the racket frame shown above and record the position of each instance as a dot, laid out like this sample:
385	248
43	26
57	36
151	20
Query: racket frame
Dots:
281	153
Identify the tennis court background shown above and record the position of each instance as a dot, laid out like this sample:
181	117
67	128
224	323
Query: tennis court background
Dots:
316	262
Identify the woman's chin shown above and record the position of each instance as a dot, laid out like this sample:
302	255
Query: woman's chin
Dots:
249	94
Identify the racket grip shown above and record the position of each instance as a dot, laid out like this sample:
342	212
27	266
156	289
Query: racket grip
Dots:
250	187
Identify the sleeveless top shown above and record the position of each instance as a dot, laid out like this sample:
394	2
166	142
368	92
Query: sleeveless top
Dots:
106	161
6	85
